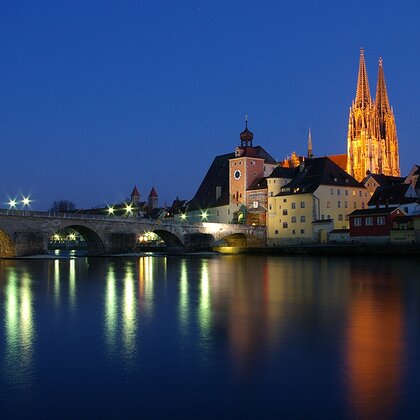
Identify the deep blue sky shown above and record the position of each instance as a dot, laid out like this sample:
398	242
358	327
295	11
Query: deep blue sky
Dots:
96	96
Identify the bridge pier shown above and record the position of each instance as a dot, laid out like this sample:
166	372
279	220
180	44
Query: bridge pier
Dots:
30	243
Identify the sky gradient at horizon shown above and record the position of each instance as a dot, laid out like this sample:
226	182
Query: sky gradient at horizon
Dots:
98	97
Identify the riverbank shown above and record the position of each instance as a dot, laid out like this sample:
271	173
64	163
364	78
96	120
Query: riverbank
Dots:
327	249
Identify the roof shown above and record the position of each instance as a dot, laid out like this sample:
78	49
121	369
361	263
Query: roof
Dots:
283	172
382	179
373	211
392	194
258	184
208	194
135	192
315	172
256	152
153	193
340	160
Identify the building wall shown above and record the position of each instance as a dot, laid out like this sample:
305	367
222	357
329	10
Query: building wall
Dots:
290	217
337	202
221	214
370	230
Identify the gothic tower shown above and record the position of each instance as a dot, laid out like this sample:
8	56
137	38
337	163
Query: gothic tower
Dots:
372	143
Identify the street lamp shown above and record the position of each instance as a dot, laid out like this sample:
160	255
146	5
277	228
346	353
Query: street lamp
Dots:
12	203
110	210
26	201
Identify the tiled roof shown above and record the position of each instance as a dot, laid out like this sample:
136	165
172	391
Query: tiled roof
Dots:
153	193
373	211
258	184
283	172
392	194
383	180
316	172
340	160
217	176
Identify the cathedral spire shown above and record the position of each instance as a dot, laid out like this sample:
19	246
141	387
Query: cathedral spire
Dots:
310	151
363	99
381	100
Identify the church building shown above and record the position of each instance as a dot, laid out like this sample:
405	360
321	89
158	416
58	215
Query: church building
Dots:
372	142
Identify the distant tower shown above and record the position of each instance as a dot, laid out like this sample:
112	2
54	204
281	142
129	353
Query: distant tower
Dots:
310	151
135	196
372	143
153	199
246	136
387	127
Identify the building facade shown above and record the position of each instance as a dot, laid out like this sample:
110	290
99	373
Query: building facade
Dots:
372	142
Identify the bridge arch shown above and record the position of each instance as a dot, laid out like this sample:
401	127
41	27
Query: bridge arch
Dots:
7	247
170	239
93	240
242	240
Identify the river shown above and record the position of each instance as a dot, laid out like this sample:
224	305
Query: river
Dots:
210	337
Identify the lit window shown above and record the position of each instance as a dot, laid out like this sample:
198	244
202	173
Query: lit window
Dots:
354	193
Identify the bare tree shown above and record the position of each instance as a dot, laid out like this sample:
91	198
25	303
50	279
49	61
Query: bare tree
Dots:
62	206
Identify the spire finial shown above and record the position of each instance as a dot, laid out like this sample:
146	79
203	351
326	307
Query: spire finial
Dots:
246	120
363	98
310	151
381	100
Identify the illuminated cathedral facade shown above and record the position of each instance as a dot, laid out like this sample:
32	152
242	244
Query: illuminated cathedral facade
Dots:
372	142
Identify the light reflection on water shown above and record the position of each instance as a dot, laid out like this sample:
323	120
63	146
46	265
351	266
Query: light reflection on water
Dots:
331	333
19	328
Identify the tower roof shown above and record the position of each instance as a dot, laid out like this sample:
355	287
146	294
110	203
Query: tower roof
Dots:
135	192
246	135
153	193
381	100
363	98
310	150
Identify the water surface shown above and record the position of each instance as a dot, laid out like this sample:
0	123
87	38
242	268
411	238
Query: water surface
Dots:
223	336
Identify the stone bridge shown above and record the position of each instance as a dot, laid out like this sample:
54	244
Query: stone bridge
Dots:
28	232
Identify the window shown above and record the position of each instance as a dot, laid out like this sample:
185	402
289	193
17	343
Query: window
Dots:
328	204
357	221
284	200
285	212
328	216
294	219
338	204
285	225
354	193
322	217
302	219
345	204
302	231
293	205
294	232
270	207
276	232
302	204
347	192
369	221
380	220
271	193
338	192
363	205
332	191
354	204
340	217
228	211
360	193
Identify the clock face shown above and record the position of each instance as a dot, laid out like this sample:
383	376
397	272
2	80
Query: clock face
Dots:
237	174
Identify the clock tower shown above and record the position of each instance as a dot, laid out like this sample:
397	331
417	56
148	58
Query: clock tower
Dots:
244	168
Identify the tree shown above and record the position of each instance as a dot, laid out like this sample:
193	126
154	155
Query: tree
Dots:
62	206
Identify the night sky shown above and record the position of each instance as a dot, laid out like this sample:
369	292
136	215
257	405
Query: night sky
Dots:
97	96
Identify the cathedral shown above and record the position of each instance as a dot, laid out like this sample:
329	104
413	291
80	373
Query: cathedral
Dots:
372	143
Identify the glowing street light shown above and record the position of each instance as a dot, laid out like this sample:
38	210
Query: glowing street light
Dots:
12	203
26	201
183	216
204	215
128	209
110	210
